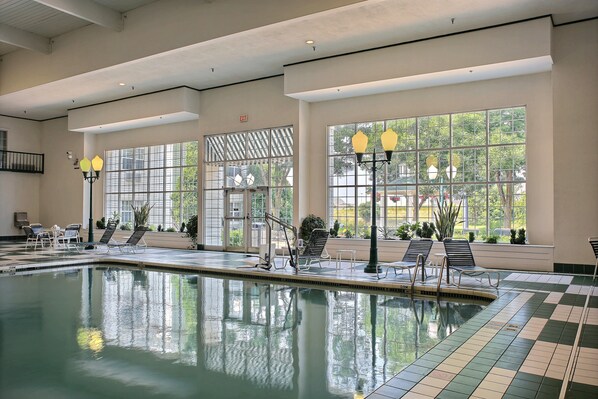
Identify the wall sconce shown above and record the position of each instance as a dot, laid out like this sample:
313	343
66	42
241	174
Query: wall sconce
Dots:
69	156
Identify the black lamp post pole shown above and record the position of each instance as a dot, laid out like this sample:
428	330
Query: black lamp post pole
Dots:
372	266
91	178
90	235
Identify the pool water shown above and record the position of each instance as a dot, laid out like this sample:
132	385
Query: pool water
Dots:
108	332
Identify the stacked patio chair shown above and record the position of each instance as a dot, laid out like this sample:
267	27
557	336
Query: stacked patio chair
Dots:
36	234
459	259
415	256
30	235
71	233
594	243
134	244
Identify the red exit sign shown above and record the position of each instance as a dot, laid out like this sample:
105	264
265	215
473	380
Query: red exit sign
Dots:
243	118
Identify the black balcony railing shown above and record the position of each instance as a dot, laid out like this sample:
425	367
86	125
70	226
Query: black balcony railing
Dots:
24	162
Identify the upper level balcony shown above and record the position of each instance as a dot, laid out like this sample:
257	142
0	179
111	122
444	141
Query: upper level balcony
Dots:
23	162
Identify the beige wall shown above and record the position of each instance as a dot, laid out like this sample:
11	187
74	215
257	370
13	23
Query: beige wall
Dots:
262	101
61	187
164	134
19	192
385	68
532	91
575	82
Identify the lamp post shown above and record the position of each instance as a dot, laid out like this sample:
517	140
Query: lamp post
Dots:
451	171
87	166
360	142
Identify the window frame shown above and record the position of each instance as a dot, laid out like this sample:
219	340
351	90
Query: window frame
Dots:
216	166
136	165
355	181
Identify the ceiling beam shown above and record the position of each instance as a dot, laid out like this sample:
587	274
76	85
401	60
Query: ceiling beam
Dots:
21	38
89	11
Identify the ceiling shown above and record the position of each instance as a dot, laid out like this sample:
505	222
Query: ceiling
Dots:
253	53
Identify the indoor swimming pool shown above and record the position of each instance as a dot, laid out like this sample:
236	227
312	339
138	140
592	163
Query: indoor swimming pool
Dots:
114	332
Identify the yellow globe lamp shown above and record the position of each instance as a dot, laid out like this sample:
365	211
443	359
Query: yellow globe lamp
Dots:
360	143
389	142
85	165
97	163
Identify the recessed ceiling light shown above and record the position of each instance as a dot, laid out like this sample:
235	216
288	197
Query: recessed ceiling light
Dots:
310	42
122	84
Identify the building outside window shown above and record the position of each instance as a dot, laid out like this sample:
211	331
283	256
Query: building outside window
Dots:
165	176
477	159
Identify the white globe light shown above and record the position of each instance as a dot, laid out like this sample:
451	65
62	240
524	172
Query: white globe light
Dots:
238	180
432	172
250	179
451	171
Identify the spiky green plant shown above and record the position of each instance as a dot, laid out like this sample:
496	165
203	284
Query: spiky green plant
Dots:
446	218
141	214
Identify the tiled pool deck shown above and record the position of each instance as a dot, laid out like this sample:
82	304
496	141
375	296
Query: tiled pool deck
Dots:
540	328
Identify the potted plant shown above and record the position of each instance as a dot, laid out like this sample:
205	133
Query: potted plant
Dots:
141	215
446	218
387	233
308	224
426	230
406	230
334	229
101	224
491	240
114	219
192	230
518	236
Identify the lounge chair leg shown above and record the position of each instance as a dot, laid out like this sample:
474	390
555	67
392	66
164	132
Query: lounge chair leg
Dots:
442	265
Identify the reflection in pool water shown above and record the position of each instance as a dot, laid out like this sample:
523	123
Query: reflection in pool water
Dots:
110	332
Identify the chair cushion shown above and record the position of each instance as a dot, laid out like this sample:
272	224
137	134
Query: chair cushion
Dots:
399	264
469	268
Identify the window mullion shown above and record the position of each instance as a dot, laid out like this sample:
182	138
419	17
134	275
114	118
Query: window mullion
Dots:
487	173
417	155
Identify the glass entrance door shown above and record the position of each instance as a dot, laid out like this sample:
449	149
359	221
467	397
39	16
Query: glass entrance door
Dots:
244	224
